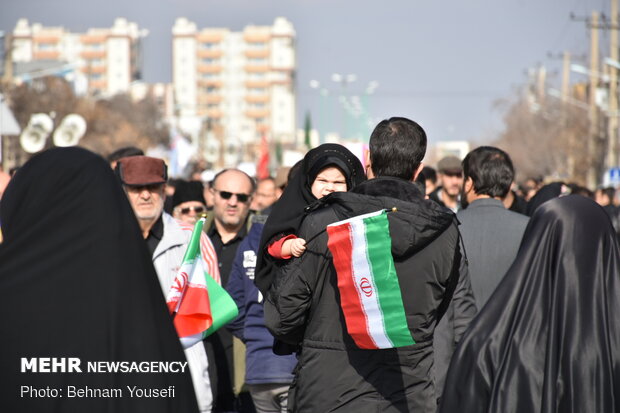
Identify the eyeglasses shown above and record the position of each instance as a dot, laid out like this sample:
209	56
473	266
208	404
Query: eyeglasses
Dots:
227	195
196	209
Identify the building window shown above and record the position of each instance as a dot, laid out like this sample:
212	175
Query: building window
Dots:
257	61
46	46
257	45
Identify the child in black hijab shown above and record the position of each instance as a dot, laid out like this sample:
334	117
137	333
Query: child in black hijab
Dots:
325	169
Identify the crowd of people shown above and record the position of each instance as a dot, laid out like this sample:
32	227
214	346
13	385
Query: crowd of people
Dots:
380	284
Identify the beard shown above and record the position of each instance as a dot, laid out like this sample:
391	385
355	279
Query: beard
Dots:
463	195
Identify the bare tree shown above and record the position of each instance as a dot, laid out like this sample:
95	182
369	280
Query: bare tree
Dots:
547	137
112	123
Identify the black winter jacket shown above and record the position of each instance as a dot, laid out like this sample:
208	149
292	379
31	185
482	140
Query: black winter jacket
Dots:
303	305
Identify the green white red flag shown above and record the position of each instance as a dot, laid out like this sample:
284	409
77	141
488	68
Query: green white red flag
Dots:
370	294
200	305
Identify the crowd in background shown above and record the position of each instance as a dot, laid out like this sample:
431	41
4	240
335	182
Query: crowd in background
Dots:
465	223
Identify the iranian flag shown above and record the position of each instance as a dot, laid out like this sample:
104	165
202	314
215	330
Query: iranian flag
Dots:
198	303
369	290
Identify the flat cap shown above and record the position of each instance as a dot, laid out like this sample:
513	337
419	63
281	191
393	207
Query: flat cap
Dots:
450	164
141	170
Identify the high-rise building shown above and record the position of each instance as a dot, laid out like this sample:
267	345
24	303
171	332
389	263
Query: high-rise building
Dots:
241	84
107	60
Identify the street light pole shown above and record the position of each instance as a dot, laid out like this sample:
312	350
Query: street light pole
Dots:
612	126
593	132
343	80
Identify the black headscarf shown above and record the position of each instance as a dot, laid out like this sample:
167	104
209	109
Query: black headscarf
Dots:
77	281
544	194
548	340
288	212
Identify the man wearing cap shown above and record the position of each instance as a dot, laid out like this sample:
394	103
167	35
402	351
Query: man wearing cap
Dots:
188	202
450	173
144	181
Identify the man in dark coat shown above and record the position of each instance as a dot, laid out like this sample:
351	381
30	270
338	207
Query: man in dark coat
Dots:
303	305
491	233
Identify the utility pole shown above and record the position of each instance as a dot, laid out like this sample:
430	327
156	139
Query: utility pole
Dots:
565	76
593	110
612	126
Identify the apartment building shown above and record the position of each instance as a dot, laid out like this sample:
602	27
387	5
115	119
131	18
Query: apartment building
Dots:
107	59
242	83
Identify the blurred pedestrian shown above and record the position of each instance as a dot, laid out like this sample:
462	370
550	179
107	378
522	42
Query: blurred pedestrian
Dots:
546	193
430	179
548	338
450	173
123	153
531	186
266	194
605	197
188	202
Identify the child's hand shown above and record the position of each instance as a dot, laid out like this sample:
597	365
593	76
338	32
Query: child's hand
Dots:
298	246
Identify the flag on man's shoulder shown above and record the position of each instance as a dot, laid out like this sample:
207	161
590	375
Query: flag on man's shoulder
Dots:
200	305
370	294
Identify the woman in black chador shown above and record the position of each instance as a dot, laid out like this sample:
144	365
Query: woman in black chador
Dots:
548	339
77	282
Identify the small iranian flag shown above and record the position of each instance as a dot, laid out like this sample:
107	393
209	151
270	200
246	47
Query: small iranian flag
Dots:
369	291
198	303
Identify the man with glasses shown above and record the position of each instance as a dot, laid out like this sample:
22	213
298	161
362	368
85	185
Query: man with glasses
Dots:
144	181
227	225
450	172
188	202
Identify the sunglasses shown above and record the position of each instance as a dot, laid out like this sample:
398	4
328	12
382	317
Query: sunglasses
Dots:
196	209
227	195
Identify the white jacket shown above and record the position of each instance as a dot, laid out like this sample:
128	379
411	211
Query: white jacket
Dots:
167	259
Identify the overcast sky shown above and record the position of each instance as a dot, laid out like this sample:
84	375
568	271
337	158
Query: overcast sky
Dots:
440	62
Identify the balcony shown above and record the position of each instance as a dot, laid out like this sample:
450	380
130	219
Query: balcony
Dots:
210	53
46	39
257	54
209	68
93	54
89	69
46	54
250	37
210	99
257	98
214	113
86	39
210	37
256	68
210	83
250	84
257	113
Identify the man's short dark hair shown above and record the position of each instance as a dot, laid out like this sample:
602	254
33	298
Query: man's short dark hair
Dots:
125	152
397	146
430	175
491	171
